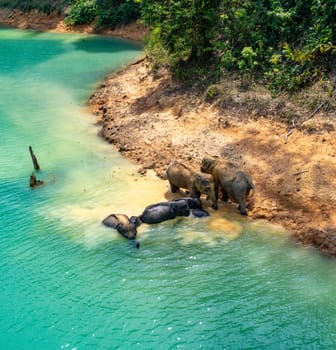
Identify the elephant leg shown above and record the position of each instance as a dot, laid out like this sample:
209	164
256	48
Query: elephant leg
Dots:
195	193
216	190
214	205
173	188
214	196
241	204
239	193
225	196
242	209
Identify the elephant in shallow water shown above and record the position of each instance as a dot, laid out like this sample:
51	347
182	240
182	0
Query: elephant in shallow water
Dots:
199	213
195	206
124	225
193	203
235	184
181	176
163	211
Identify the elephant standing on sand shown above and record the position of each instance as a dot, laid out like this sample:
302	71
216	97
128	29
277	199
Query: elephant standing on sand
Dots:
235	184
181	176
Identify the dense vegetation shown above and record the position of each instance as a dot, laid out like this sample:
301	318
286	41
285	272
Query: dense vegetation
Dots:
106	13
46	6
286	44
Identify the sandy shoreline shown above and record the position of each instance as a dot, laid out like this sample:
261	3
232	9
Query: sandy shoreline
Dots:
152	120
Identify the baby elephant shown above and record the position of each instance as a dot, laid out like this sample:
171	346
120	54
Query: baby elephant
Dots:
193	203
235	184
181	176
123	225
199	213
195	206
155	213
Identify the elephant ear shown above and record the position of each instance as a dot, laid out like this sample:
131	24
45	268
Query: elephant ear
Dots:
203	184
135	220
119	227
207	165
174	208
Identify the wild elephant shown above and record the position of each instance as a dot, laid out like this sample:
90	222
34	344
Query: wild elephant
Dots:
159	212
235	184
123	225
195	206
193	203
199	213
181	176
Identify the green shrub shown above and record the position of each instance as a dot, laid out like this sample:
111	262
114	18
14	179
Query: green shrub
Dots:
82	12
113	13
290	44
46	6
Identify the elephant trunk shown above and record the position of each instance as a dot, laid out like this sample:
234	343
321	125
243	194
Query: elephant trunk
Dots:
135	243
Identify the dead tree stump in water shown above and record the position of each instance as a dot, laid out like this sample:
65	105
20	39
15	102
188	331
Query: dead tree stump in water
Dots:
34	182
34	159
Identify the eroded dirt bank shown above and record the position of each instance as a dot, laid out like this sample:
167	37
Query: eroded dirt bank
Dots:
151	120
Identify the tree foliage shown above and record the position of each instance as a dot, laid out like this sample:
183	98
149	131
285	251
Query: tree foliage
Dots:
46	6
82	12
186	29
287	43
106	13
113	12
285	36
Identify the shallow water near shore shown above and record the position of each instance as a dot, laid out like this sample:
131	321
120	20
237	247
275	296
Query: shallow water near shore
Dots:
68	282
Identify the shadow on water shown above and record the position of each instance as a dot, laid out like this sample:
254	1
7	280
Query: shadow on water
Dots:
20	53
97	44
27	51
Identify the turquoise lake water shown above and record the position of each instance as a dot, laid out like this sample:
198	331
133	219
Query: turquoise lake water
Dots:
68	282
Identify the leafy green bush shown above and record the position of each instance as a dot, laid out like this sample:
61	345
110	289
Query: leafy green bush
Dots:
111	13
82	12
46	6
155	51
291	44
186	28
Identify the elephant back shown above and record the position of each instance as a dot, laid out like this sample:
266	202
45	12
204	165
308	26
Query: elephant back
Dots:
180	174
